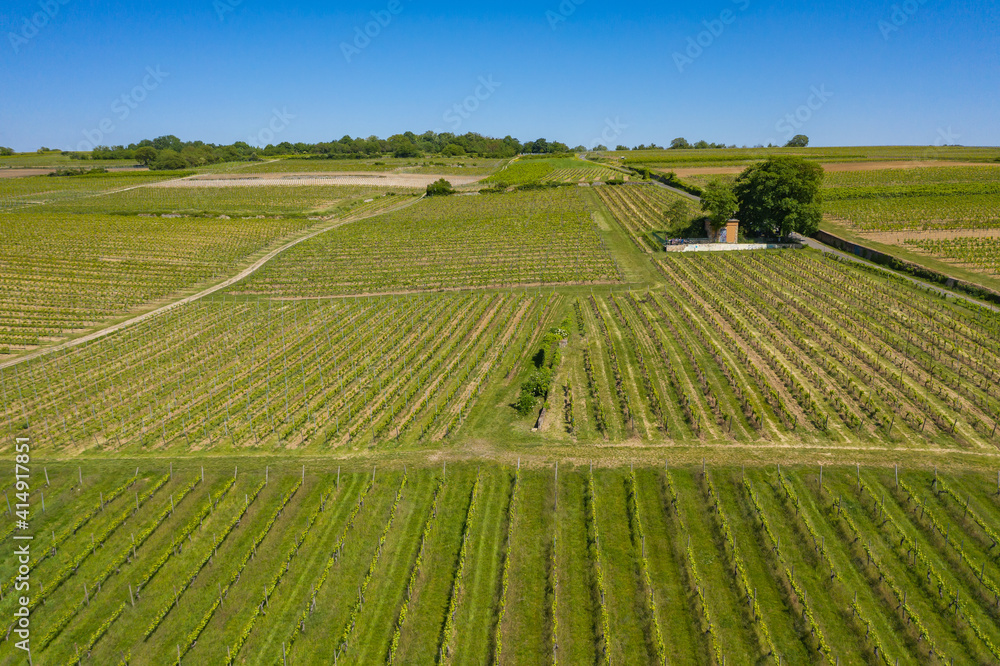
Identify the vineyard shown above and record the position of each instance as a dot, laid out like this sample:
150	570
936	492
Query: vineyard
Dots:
928	207
464	166
64	273
267	200
523	238
553	170
640	211
495	428
801	349
501	564
224	374
982	254
804	349
21	193
989	175
585	174
662	159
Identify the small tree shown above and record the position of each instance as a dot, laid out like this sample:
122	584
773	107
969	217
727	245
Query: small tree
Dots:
440	188
720	202
6	152
677	218
780	196
679	143
798	141
145	155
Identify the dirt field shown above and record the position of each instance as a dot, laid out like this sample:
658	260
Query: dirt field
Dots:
417	181
21	173
829	168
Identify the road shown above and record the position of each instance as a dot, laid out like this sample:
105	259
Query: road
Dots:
684	194
250	270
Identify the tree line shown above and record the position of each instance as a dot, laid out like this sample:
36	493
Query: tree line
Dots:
170	152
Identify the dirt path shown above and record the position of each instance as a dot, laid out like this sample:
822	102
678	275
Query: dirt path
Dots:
250	270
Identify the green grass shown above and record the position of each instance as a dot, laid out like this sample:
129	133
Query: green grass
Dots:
792	518
56	160
527	631
741	156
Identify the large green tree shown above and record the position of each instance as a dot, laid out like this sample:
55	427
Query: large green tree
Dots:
780	196
145	155
169	160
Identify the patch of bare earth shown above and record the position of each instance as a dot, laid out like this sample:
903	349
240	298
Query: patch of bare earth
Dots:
365	179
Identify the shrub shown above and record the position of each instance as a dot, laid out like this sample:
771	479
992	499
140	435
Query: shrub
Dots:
440	188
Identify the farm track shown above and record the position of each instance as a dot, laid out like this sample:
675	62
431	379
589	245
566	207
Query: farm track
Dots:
242	275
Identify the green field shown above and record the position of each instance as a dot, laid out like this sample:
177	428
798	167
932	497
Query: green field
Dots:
981	254
659	159
325	462
490	240
567	170
467	564
81	251
23	194
640	210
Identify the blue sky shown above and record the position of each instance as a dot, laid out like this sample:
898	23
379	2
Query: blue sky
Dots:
74	72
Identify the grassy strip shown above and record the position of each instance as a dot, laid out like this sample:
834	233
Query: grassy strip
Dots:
505	578
448	630
414	574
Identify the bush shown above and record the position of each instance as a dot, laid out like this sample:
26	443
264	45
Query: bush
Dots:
77	171
525	403
538	383
169	160
440	188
